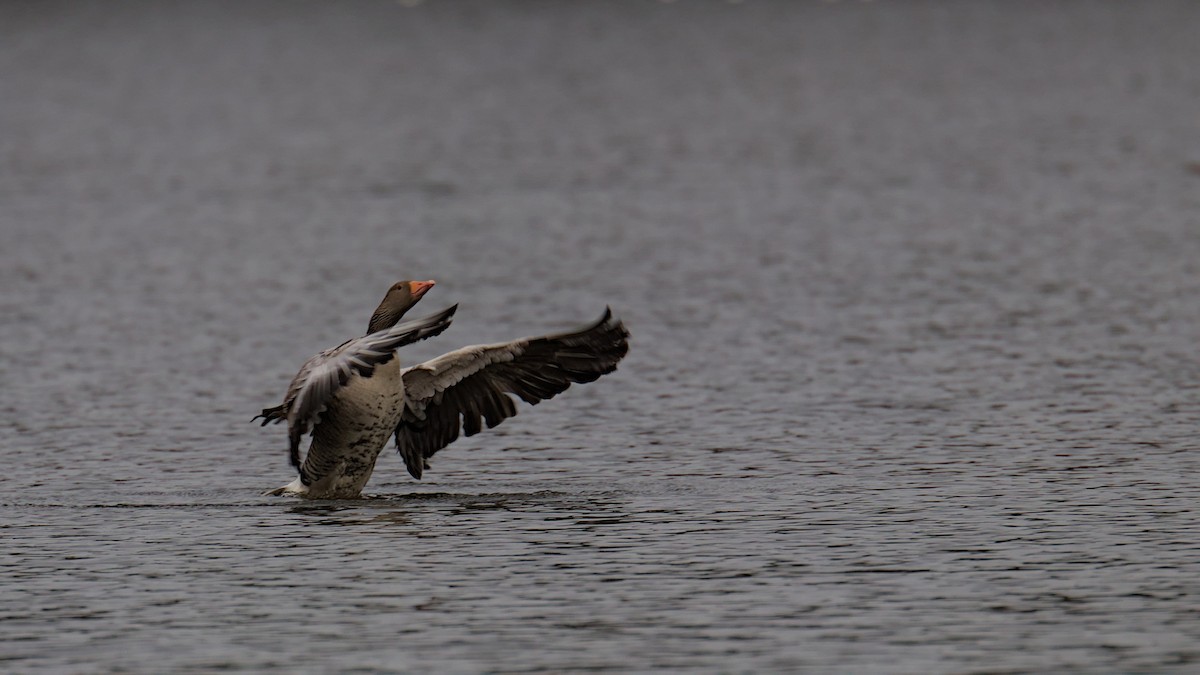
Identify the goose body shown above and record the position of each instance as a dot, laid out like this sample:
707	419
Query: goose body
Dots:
354	428
355	397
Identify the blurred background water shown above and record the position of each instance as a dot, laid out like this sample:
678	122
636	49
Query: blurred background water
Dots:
912	288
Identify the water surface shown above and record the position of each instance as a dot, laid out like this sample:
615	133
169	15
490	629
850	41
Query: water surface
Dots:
912	288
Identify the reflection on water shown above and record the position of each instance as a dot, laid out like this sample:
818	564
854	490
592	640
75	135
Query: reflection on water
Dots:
394	509
912	385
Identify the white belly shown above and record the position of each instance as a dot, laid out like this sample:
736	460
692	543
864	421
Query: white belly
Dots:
351	433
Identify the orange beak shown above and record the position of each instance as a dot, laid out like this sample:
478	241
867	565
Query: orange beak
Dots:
419	288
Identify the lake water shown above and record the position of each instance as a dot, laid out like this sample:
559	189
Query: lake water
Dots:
913	290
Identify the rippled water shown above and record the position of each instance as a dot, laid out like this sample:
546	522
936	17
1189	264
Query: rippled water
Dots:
912	287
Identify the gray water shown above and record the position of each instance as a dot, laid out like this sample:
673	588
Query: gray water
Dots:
913	292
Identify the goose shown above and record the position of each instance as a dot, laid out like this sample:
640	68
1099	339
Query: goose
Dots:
354	397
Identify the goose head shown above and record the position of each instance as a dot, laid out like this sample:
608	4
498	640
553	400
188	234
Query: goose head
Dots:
399	299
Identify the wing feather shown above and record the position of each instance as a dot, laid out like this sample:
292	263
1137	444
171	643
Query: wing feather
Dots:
470	388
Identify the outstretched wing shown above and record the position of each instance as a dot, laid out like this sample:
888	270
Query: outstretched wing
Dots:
321	376
475	382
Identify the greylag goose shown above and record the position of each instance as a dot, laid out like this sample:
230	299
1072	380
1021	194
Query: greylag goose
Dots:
353	397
